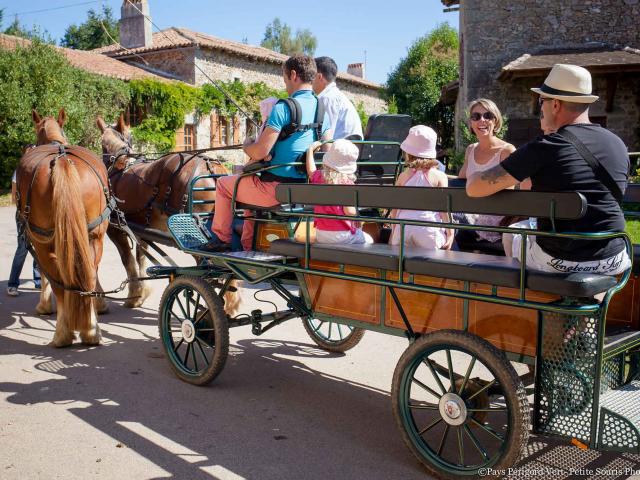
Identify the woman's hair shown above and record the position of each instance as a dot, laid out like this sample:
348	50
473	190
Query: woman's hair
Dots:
411	161
490	106
333	176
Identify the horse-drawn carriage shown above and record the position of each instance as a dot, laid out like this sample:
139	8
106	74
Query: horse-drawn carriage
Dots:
494	348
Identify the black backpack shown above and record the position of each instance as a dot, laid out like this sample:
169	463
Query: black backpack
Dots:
296	115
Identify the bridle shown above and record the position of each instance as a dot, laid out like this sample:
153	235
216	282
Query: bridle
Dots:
111	159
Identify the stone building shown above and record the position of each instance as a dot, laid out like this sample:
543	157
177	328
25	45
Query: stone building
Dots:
506	47
197	58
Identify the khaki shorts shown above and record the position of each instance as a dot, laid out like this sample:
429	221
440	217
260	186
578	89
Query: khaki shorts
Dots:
538	259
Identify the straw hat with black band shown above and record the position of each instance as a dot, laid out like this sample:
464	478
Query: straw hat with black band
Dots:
568	83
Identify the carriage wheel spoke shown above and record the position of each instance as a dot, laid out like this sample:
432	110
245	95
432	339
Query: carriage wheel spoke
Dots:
187	298
340	332
435	375
452	386
423	407
177	317
199	342
196	307
175	349
195	360
329	334
181	307
443	439
475	442
501	409
460	446
488	429
203	314
491	383
428	389
466	376
186	357
430	426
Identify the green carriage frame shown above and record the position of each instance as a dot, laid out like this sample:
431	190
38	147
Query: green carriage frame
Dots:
581	390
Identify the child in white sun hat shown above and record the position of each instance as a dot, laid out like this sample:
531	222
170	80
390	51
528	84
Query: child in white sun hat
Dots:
339	166
421	170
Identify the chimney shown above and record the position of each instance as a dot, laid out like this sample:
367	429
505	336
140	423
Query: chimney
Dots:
135	24
356	69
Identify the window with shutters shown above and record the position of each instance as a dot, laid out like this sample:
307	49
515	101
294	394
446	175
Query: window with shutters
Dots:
189	137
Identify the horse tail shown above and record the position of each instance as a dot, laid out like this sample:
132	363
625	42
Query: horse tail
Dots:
71	243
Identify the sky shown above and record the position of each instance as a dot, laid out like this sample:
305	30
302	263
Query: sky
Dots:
344	29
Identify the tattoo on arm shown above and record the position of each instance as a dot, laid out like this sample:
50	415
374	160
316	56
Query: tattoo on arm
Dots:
493	175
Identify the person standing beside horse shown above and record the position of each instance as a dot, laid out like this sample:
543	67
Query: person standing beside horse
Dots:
285	145
63	208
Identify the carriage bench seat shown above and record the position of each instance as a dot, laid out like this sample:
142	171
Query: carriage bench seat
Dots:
487	269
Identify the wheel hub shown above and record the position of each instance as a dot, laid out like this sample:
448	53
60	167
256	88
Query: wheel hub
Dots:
453	409
188	331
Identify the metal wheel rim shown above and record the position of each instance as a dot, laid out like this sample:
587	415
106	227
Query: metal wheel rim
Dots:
190	357
419	434
319	327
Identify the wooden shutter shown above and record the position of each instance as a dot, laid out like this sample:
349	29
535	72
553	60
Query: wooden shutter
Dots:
180	139
214	130
236	130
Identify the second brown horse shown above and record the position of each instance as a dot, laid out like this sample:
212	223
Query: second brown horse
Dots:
148	193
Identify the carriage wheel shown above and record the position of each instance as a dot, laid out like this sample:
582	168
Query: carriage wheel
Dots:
194	330
332	336
460	427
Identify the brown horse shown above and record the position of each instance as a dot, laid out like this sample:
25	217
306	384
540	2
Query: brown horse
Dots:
148	193
62	207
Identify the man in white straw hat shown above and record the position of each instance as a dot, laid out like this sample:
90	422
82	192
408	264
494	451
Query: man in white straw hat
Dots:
574	156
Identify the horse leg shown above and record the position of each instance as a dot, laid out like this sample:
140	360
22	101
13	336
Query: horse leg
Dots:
121	241
64	335
91	336
141	260
45	304
99	303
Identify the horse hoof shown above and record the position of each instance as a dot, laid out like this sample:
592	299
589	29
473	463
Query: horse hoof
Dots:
43	310
133	303
61	343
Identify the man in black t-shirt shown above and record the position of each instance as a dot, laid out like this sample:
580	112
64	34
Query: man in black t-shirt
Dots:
554	164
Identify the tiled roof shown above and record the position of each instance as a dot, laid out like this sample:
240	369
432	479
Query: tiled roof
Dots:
597	60
182	37
87	61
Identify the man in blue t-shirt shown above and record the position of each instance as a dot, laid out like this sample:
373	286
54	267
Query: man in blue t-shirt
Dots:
298	73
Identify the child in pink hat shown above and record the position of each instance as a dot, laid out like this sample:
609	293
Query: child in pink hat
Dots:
339	166
421	170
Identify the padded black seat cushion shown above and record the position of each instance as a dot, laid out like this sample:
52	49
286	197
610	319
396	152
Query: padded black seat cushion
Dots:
488	269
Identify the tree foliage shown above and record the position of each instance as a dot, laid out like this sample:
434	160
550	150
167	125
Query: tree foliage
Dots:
277	37
414	85
40	77
33	33
91	34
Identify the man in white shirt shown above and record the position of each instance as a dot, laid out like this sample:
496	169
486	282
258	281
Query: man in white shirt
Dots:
342	115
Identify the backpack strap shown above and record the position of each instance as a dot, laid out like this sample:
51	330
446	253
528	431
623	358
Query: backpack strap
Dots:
601	173
296	117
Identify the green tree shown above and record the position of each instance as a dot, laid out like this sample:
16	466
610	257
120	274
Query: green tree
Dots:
40	76
277	37
98	30
33	33
415	84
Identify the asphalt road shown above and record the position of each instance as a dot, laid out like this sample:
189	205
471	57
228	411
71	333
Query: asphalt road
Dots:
281	409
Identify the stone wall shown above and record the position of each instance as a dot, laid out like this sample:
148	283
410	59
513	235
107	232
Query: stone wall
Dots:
370	98
496	32
178	62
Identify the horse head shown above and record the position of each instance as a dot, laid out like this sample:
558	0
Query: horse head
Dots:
48	129
117	143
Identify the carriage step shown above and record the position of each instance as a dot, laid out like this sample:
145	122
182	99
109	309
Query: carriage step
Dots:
619	423
254	255
619	339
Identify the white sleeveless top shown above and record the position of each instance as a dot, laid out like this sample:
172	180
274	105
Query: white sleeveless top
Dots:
489	220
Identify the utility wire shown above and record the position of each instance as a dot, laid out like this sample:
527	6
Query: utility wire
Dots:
213	82
54	8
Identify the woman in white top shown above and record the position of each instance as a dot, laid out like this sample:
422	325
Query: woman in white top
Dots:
485	121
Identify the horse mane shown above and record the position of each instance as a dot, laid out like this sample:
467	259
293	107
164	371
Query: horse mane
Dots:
49	131
111	143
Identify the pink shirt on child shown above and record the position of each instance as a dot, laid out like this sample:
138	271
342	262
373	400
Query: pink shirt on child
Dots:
329	224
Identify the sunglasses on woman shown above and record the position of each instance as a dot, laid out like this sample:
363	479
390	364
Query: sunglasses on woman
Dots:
476	116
